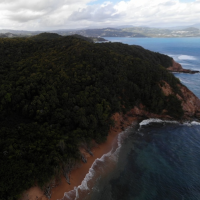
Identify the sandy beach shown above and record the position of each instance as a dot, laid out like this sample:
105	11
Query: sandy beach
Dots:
77	175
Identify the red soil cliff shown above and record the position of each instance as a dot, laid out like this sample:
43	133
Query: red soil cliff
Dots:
176	67
190	104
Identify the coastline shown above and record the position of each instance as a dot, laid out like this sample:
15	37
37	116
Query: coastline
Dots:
176	67
77	175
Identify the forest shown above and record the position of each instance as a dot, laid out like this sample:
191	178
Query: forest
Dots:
57	93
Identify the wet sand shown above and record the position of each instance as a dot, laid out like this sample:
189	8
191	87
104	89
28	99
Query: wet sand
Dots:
77	175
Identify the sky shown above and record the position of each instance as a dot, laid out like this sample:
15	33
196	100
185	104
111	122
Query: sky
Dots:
72	14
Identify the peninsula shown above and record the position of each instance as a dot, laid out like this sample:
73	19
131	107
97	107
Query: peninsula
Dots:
176	67
61	96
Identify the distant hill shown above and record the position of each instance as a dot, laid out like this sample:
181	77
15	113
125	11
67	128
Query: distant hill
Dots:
105	32
196	25
48	36
121	31
7	35
45	35
191	29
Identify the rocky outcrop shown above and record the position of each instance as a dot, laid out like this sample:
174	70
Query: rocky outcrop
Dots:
141	112
176	67
190	102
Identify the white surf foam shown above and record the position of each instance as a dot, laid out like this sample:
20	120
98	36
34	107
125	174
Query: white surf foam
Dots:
186	57
120	140
192	123
69	195
184	81
156	120
195	123
112	155
91	172
151	120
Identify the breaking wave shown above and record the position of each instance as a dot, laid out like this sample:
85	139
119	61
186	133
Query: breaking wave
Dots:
155	120
184	81
96	170
186	57
193	123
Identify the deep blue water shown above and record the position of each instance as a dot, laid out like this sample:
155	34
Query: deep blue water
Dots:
154	160
158	162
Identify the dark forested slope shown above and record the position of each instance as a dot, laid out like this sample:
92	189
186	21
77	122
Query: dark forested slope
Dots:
59	92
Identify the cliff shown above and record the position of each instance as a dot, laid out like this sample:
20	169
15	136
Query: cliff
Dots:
176	67
189	101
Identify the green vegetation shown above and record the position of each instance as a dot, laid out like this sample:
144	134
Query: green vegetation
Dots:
59	92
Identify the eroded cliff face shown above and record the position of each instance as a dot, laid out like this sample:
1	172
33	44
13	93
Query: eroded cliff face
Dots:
176	67
140	112
190	104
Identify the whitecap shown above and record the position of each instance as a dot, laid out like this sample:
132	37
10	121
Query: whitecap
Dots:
195	123
191	123
151	120
155	120
186	57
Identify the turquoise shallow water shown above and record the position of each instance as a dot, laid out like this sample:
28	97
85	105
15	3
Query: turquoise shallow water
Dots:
156	160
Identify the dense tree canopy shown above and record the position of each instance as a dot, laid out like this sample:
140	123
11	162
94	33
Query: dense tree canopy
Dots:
58	92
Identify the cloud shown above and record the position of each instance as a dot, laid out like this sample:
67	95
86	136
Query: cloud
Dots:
50	13
95	13
152	12
54	14
168	3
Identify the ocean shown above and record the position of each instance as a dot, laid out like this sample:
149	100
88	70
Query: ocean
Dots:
155	159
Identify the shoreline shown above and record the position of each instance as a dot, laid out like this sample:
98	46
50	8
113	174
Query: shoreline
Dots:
176	67
77	175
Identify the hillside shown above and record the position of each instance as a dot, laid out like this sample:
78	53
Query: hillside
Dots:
58	93
123	31
7	35
135	32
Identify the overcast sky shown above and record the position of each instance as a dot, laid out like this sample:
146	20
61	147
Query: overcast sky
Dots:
70	14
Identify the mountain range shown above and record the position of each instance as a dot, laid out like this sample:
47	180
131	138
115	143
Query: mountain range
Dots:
121	31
